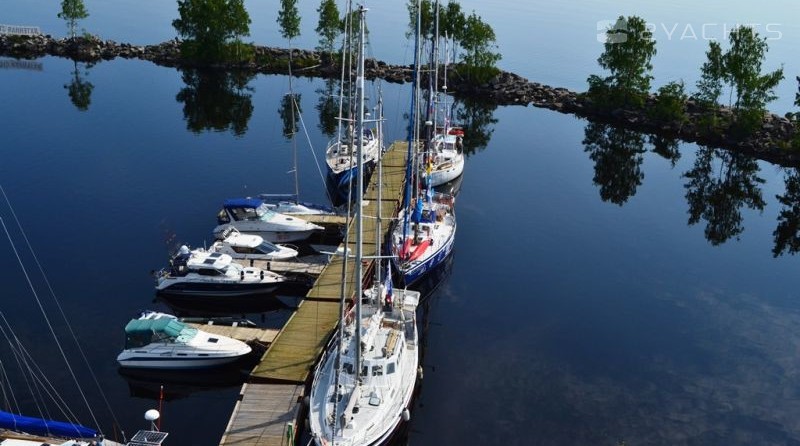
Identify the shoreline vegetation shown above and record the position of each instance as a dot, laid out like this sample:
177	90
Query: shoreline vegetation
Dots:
774	140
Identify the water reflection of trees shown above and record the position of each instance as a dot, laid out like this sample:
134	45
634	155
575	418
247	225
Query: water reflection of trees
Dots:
328	108
787	234
216	100
716	192
618	155
289	110
477	119
80	89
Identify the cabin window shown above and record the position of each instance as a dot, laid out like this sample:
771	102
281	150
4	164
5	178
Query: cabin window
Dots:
213	340
377	370
365	371
390	368
244	250
208	272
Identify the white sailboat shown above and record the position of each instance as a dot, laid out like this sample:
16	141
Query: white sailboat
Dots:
340	155
425	231
444	157
363	384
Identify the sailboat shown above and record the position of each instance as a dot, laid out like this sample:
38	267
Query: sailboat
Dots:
426	224
340	155
290	203
363	384
444	156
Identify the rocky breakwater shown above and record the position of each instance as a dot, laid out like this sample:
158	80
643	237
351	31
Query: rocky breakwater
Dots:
770	143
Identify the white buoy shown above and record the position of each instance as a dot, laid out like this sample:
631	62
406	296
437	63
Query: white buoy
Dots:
151	415
406	414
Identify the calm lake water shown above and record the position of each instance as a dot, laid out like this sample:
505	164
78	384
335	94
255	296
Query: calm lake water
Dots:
604	287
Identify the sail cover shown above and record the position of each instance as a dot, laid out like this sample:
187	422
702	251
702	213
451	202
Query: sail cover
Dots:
40	426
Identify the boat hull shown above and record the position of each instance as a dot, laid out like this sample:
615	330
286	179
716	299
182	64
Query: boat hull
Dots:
417	270
174	363
218	289
450	173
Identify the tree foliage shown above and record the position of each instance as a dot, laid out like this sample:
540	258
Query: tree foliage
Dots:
478	41
669	103
739	68
212	29
474	36
72	11
289	19
743	71
628	50
329	26
709	87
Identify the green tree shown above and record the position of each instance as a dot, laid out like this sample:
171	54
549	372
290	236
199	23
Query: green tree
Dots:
742	63
709	87
212	29
289	19
796	119
72	11
669	104
477	42
628	50
329	26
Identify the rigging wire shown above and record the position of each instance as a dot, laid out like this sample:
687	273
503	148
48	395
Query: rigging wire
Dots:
61	311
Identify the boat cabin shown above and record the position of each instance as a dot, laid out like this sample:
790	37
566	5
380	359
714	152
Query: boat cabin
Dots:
244	209
249	244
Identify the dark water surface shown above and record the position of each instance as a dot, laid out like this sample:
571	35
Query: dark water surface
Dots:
602	288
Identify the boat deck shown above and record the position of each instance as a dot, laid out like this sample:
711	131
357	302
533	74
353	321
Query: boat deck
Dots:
287	364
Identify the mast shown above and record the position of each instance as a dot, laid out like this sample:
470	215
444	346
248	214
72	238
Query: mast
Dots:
359	187
412	125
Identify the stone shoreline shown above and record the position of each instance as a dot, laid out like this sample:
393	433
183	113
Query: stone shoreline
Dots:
505	89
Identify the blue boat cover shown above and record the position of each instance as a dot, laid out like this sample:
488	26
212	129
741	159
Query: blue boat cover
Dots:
40	426
417	215
242	203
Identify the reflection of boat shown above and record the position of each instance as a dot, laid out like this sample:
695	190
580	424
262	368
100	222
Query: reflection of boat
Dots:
167	385
250	247
158	340
363	385
253	216
202	273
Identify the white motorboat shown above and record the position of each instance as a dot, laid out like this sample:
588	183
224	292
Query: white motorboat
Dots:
250	247
253	216
159	341
363	385
202	273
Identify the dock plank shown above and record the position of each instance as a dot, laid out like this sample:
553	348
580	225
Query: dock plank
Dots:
271	399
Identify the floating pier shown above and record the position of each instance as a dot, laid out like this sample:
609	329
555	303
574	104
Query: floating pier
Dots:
269	406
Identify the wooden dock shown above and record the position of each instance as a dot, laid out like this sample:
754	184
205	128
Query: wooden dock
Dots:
270	403
245	334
